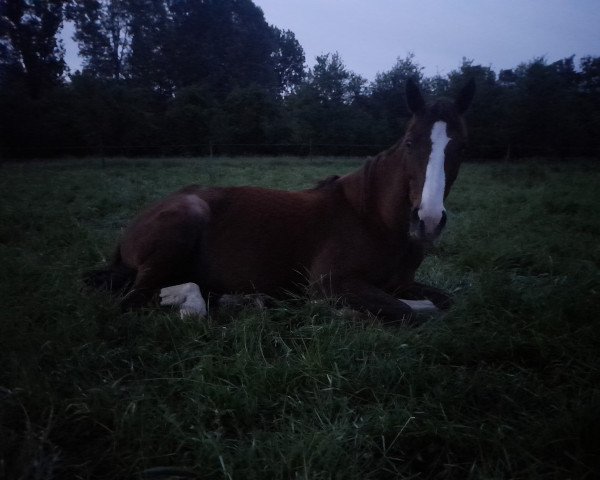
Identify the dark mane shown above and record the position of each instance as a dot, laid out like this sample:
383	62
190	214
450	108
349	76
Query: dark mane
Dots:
368	190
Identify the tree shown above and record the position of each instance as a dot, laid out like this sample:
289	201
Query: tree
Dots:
30	53
189	118
565	68
103	33
590	74
588	105
328	108
437	86
507	78
170	44
388	103
489	119
332	82
544	112
244	118
149	61
288	59
220	43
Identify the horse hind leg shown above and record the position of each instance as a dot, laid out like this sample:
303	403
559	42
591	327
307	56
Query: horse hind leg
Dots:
169	279
187	297
169	254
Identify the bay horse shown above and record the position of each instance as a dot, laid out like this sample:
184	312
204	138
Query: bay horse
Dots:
359	237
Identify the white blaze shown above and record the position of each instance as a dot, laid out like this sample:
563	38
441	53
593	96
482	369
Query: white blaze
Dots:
432	197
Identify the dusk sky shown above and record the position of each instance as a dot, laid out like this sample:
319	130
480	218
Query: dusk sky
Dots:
371	35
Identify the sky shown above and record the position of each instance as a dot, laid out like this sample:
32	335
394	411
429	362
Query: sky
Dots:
370	35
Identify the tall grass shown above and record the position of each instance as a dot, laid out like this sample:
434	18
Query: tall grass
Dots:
505	385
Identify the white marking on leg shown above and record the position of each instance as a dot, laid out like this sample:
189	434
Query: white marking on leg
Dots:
187	297
420	306
432	196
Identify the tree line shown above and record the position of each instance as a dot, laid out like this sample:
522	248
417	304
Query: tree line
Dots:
170	77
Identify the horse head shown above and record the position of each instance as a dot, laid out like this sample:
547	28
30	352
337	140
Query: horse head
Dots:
432	147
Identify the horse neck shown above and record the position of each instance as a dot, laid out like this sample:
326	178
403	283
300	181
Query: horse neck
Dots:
378	191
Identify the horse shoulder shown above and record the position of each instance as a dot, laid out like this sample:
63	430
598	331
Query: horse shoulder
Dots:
359	247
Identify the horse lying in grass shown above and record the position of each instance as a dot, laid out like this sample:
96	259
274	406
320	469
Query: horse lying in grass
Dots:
359	237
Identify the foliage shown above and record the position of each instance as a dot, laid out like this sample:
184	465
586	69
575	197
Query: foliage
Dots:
328	108
387	100
244	117
142	58
288	59
103	32
506	385
31	56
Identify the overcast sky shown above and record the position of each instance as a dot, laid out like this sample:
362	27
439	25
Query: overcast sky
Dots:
371	34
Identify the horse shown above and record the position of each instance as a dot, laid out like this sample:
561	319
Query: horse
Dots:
359	237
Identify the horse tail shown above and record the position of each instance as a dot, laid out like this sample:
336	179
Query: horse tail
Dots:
117	277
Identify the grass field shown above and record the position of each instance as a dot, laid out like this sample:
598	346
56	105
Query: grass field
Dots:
505	385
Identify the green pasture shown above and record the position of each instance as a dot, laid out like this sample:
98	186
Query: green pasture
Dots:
505	385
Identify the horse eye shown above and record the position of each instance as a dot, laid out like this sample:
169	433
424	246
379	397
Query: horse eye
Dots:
408	143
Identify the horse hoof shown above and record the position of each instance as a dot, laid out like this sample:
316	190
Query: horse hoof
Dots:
421	306
193	307
187	297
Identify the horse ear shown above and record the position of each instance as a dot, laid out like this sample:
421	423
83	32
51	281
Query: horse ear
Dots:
465	96
414	99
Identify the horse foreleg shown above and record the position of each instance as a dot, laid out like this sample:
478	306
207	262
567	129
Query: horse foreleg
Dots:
419	291
420	306
361	295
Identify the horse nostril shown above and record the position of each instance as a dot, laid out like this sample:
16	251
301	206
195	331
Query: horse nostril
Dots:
443	220
428	226
414	215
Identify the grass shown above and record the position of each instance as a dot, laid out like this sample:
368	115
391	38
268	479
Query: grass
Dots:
506	385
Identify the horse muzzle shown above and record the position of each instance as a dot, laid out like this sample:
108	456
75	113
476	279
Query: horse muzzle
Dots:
426	229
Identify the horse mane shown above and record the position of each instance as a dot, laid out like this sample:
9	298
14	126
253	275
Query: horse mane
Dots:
368	178
367	192
369	175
